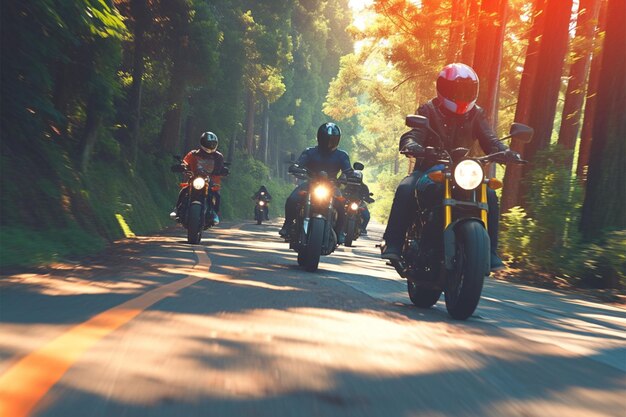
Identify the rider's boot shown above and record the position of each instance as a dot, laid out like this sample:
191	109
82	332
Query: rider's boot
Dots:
391	250
496	263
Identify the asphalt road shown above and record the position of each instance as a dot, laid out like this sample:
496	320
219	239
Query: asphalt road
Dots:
232	327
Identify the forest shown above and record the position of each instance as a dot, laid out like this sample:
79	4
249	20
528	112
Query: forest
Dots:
97	95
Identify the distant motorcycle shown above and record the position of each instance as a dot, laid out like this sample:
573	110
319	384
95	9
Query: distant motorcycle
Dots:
447	246
355	204
261	207
196	213
313	234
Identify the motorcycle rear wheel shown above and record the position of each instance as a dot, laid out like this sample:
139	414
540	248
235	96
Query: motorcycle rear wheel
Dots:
313	249
194	226
463	290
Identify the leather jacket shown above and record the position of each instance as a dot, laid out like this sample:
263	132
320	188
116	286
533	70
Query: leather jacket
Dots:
456	131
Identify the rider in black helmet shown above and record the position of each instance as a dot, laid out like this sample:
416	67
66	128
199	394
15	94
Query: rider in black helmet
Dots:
323	157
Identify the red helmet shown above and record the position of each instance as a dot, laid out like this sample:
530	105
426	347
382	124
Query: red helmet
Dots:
457	88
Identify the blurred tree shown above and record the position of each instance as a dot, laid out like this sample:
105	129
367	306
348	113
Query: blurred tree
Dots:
488	54
603	208
574	97
592	94
512	178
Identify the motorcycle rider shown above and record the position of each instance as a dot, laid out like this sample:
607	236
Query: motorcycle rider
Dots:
263	195
363	192
205	159
323	157
454	115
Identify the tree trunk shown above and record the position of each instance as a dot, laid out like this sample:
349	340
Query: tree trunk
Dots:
603	208
93	122
266	131
469	35
488	53
250	115
590	101
457	22
139	10
169	137
513	176
585	27
547	84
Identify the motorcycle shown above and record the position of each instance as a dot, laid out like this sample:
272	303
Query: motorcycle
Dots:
262	204
313	234
447	248
355	205
196	211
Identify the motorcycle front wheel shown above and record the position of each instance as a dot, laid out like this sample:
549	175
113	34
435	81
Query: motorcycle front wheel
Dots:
465	284
350	231
194	224
313	248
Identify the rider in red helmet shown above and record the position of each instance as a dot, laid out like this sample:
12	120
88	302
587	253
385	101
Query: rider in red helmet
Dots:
454	115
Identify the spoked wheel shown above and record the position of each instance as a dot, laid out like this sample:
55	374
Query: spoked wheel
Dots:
465	284
194	225
422	297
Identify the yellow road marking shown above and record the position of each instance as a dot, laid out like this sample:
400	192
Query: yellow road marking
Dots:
24	384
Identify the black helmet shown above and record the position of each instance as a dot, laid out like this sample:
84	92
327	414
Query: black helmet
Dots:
208	142
328	136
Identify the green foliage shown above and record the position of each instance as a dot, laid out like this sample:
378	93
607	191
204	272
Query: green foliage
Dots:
515	235
603	264
247	175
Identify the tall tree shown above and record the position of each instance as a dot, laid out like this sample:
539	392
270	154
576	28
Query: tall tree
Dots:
547	84
603	208
488	53
458	11
513	175
469	35
592	95
576	86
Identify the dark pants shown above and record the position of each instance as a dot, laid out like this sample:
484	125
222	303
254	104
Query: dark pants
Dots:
404	207
365	218
291	206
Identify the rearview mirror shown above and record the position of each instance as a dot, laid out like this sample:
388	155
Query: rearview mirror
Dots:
358	166
417	122
521	132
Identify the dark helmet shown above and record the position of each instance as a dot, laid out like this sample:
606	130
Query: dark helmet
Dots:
328	136
208	142
457	88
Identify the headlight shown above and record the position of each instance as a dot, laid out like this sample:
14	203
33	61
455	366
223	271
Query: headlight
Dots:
261	203
199	183
321	192
468	174
354	206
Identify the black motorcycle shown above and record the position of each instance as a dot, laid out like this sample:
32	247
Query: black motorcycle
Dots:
355	200
447	247
261	207
313	234
196	211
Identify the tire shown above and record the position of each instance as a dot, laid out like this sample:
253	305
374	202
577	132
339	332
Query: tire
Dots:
194	224
422	297
313	249
301	258
350	232
472	255
258	215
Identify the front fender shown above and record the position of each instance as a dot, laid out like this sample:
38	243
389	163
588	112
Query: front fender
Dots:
449	240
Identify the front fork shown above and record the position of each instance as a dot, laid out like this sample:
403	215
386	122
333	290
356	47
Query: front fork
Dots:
447	195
